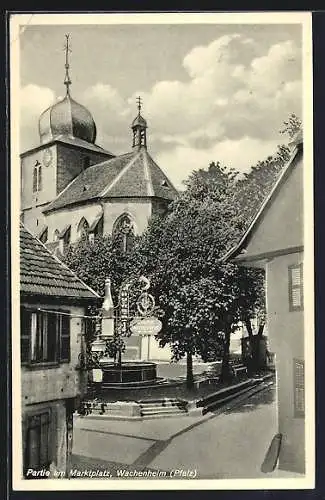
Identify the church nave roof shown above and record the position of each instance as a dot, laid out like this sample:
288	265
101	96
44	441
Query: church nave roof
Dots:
133	175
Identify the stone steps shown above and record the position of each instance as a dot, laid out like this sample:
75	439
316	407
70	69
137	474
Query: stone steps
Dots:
162	408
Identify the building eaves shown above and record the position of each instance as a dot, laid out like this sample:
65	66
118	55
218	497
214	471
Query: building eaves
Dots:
240	247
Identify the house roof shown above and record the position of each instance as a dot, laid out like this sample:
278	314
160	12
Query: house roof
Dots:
41	273
132	174
240	247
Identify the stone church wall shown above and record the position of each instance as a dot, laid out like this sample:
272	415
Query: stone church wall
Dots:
72	160
48	191
138	209
59	219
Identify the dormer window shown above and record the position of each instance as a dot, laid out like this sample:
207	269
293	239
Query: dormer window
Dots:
37	177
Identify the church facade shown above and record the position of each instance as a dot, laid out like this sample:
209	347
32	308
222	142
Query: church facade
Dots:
72	188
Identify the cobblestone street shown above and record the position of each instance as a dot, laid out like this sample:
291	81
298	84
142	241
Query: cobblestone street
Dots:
229	445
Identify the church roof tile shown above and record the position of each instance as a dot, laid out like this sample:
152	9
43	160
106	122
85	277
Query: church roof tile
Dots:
133	174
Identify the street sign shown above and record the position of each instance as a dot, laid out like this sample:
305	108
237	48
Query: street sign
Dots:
97	375
146	326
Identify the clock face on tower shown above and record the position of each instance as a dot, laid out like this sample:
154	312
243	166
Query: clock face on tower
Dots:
47	157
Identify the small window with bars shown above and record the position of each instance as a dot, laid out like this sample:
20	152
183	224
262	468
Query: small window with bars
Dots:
295	287
299	388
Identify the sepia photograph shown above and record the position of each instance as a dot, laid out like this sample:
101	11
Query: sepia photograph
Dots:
162	251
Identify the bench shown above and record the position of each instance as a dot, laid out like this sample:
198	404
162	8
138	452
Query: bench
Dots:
238	369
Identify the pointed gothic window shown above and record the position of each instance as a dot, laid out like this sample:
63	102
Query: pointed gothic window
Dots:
83	228
123	233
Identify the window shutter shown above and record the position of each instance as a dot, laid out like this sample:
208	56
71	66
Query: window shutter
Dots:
39	178
299	387
25	329
295	287
65	338
52	336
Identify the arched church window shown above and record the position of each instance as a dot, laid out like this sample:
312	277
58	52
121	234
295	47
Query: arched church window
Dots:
83	228
37	177
123	232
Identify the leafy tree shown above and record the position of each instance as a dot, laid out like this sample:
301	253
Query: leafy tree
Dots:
253	188
181	253
95	261
199	296
291	126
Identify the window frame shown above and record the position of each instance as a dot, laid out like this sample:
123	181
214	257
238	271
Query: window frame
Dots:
124	238
47	413
62	336
37	177
83	229
292	287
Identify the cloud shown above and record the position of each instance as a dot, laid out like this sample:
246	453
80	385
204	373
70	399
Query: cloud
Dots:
221	98
240	154
33	101
229	107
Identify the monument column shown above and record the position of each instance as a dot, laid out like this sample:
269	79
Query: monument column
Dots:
107	313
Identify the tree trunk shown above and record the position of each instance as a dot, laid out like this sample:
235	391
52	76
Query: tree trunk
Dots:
189	371
225	368
119	359
248	325
254	342
259	336
261	329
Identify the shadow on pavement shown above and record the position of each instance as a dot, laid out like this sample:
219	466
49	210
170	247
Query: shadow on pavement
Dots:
265	397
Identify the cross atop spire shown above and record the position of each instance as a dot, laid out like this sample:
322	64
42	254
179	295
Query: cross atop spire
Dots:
67	49
139	103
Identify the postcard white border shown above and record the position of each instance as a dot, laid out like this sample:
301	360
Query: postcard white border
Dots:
17	22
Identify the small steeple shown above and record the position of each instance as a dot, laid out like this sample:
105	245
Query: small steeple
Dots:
139	126
67	80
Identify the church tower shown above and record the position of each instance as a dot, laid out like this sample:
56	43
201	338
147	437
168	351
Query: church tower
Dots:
67	146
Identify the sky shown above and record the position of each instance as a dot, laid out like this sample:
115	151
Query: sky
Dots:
211	92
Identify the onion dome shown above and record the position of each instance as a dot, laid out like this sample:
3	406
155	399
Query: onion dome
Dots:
67	117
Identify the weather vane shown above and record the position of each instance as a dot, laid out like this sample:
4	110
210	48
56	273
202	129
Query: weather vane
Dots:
67	49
